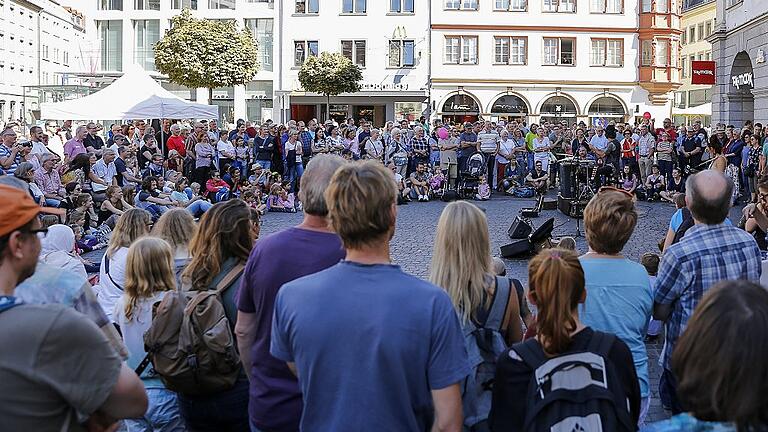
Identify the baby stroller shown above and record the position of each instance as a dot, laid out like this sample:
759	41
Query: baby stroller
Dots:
470	177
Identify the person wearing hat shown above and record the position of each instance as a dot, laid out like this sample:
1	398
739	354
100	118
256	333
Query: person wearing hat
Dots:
62	368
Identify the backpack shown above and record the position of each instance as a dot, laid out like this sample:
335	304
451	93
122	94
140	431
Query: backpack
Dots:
523	192
484	344
190	342
574	392
684	226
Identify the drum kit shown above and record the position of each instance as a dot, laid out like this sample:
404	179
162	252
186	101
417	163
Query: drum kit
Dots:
577	177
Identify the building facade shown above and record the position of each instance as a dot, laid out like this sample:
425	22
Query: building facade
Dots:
693	101
126	31
40	45
387	39
739	46
572	60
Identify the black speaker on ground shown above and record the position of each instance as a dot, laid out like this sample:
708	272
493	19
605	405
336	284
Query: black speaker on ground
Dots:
549	204
571	207
516	248
544	231
519	229
449	195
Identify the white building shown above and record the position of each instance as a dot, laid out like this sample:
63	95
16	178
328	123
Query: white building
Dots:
127	30
388	39
574	60
40	45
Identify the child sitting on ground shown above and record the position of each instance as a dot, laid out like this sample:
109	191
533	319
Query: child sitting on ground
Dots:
483	189
437	181
651	263
280	200
252	197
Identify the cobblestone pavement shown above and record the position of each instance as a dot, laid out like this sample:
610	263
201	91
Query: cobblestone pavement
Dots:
416	223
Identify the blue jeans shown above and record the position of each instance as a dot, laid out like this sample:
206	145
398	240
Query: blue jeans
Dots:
199	207
294	176
50	202
163	414
225	411
668	392
266	164
188	191
530	161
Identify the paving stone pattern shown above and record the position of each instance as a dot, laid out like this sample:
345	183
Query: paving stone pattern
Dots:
414	237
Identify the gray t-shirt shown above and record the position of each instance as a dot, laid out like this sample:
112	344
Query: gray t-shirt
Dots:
63	371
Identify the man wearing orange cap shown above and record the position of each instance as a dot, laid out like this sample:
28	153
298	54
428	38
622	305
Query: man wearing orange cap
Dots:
59	371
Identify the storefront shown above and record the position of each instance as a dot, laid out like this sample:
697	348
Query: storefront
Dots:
460	108
558	108
377	109
509	107
741	89
606	109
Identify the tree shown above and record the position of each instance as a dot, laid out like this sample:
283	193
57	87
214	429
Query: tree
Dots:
206	53
330	74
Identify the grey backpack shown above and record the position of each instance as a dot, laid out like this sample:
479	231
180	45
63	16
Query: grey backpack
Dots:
485	344
574	392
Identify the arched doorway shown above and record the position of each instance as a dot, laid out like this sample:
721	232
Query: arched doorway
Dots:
461	107
605	109
510	107
741	101
558	108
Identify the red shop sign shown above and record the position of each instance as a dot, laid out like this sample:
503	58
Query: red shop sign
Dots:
703	72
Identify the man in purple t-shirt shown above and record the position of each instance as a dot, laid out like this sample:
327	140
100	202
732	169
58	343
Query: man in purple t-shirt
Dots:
275	397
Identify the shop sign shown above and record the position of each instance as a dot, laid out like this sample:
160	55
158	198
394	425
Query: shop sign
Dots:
703	72
760	56
743	80
384	86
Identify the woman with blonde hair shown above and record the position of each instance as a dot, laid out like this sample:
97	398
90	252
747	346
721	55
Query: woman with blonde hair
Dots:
148	277
177	227
219	250
556	287
462	265
132	224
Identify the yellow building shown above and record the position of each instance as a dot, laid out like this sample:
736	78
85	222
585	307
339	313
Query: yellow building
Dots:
694	102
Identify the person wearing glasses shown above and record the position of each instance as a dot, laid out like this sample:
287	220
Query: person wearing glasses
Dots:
92	141
691	150
76	369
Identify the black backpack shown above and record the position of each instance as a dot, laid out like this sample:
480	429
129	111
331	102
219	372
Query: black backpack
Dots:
687	223
577	391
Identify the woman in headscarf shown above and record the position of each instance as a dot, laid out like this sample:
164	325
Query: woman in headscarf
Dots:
57	250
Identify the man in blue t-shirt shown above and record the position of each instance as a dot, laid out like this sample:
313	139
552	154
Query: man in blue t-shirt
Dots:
374	348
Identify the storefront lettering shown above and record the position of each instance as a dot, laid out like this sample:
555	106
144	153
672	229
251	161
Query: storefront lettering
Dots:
459	107
744	79
760	56
384	86
507	108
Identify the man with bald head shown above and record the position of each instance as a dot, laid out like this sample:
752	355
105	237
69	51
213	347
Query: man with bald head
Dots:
710	251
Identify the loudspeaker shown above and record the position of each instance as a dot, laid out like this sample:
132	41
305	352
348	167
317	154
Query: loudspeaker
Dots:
516	248
543	232
572	208
549	204
519	229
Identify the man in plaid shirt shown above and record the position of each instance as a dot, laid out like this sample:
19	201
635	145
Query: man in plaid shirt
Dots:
711	251
420	147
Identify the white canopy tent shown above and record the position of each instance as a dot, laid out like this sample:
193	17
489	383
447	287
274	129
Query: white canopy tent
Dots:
135	95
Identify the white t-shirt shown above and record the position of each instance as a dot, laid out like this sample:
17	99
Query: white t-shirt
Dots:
295	146
107	292
542	157
225	146
133	330
505	147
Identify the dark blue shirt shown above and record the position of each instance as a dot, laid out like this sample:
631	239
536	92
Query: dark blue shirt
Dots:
470	137
370	343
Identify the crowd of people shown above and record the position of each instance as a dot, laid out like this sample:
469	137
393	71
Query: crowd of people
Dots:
191	322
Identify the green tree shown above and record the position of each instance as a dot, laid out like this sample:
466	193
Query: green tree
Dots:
206	53
330	74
